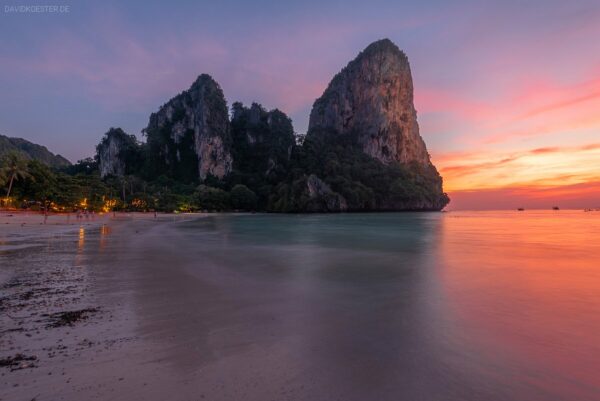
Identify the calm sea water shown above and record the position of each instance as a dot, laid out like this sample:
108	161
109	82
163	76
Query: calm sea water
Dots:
411	306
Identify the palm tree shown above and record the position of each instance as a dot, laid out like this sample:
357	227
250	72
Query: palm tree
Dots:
125	181
14	167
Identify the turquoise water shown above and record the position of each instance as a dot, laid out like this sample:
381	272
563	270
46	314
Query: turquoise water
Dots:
405	306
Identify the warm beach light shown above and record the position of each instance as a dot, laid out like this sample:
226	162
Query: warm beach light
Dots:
139	203
109	204
7	202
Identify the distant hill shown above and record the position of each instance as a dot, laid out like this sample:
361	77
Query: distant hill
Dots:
31	150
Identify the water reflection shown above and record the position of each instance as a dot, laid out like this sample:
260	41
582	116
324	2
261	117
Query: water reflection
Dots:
342	292
524	294
104	233
81	239
456	306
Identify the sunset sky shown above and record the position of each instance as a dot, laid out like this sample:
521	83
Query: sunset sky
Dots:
507	92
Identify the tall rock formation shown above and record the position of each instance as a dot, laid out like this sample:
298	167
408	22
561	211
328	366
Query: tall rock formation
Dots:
372	98
189	136
117	153
363	137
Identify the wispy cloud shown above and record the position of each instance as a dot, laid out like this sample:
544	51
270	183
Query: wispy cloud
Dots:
534	168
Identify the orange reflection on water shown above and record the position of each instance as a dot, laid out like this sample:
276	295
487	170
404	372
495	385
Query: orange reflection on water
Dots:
81	241
104	232
524	288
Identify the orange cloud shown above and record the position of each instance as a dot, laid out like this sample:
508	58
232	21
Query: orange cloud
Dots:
501	170
575	196
538	167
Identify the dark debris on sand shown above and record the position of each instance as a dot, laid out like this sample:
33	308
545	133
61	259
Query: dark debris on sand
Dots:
69	318
19	361
46	293
51	319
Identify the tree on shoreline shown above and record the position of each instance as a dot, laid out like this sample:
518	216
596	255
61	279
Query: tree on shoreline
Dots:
14	168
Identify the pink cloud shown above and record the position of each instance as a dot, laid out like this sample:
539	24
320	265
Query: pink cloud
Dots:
538	109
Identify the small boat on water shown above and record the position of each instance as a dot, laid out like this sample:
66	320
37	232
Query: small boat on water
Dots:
520	209
555	208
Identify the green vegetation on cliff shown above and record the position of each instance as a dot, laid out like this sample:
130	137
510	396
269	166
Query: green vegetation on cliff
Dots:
327	172
363	182
271	173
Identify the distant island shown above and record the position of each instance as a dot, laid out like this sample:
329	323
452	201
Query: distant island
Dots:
362	152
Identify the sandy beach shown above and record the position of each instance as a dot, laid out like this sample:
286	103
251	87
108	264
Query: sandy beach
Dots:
67	330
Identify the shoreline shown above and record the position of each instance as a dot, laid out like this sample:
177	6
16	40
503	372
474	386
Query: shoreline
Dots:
39	218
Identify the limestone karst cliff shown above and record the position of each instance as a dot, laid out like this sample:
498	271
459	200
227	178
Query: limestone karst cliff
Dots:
363	139
372	99
362	152
117	153
262	140
189	137
363	147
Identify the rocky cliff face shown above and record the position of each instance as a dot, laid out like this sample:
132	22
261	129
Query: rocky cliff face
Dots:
321	198
364	140
189	136
262	140
116	153
372	98
363	150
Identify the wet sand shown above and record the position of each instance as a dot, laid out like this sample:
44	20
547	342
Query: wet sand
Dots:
67	322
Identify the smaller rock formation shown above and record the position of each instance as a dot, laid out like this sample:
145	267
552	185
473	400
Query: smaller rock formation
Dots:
117	154
322	198
189	136
262	140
